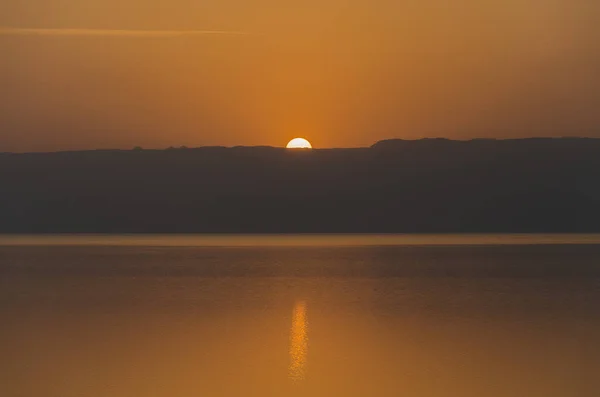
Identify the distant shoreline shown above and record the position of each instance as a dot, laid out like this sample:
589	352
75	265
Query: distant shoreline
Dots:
296	240
397	186
377	144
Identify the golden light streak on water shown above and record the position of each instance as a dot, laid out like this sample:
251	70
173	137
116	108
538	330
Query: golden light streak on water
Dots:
298	342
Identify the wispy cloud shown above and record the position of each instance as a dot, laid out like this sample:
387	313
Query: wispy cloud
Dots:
4	31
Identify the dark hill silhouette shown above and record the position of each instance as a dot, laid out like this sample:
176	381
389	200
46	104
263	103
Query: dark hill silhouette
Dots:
430	185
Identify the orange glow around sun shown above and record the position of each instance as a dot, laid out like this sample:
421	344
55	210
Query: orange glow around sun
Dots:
299	143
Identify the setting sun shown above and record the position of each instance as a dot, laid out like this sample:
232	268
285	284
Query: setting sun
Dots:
299	143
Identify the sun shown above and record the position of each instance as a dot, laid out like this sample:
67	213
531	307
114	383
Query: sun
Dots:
299	143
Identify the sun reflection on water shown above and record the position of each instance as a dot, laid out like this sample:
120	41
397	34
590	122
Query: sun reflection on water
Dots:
298	342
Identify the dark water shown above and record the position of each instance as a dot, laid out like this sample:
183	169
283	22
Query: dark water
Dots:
426	316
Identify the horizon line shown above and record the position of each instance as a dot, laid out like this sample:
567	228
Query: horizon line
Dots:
184	147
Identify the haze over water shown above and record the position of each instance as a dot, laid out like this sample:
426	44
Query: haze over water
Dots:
304	315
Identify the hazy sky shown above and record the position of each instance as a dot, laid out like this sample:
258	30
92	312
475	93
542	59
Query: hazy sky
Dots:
156	73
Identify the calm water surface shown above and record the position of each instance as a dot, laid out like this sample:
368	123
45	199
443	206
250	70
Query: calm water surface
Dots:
179	316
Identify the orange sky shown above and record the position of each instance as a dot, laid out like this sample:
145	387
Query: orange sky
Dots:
120	73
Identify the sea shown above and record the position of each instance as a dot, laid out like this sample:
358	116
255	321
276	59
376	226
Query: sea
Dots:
300	315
